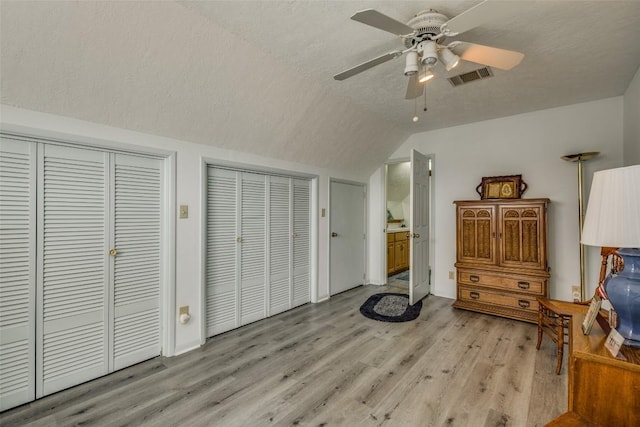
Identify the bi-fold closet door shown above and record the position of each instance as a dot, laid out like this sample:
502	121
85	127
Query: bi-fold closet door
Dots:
258	247
80	230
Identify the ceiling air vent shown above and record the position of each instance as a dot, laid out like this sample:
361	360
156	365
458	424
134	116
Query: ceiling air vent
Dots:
480	73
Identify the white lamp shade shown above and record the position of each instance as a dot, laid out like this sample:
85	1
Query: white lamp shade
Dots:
613	212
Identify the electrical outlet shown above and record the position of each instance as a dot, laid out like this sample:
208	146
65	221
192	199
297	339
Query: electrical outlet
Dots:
184	310
575	293
451	275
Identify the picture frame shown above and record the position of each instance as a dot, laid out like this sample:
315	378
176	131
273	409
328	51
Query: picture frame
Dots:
501	187
592	313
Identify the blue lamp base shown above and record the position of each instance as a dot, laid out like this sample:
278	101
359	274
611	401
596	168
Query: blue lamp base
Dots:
623	290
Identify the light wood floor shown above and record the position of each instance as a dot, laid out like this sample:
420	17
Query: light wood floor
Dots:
327	365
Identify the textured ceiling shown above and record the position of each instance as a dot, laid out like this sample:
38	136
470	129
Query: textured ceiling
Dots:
257	76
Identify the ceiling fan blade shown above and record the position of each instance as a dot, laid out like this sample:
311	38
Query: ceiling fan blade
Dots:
486	55
366	65
480	14
382	22
414	88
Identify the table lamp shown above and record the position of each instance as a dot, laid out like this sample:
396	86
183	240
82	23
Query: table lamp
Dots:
613	219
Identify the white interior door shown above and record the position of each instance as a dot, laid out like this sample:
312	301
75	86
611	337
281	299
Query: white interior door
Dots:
17	272
73	289
280	236
257	247
347	241
419	286
137	223
301	237
221	265
253	230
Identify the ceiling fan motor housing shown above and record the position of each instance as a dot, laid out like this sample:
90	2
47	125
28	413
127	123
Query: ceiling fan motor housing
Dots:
427	25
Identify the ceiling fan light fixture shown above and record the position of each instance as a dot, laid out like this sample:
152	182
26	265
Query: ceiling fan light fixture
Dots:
450	59
425	76
429	52
411	64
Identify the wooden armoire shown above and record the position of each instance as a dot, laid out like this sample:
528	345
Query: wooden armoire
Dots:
501	257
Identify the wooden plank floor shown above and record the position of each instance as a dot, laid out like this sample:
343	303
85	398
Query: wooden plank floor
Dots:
327	365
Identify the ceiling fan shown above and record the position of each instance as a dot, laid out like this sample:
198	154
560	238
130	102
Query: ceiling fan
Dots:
424	37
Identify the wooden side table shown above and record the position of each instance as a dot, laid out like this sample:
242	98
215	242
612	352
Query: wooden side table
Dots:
603	390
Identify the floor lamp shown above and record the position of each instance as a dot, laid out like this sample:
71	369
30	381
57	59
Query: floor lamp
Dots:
580	158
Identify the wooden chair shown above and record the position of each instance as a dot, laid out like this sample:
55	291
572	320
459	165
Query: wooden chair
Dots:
553	320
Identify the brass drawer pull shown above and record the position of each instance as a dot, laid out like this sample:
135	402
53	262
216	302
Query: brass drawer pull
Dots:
474	278
524	303
523	285
474	295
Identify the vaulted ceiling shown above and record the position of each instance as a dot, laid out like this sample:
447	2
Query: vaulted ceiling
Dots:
257	76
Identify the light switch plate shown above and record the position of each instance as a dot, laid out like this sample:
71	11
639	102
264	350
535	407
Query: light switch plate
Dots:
184	211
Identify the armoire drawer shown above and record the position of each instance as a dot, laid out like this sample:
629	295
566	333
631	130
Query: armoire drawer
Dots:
508	300
500	281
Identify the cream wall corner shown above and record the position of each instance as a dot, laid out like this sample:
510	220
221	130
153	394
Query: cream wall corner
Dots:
530	144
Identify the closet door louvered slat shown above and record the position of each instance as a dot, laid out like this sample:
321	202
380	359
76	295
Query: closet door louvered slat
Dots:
17	272
279	244
72	267
221	248
136	266
252	248
301	242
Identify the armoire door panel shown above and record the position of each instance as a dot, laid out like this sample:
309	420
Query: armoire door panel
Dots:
72	267
137	200
221	249
17	272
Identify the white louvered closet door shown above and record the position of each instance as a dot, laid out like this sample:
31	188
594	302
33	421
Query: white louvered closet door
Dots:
137	199
301	242
279	244
252	248
222	251
73	315
17	272
257	249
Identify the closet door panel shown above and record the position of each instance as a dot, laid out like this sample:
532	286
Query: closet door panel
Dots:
221	249
72	328
137	200
17	272
252	248
301	242
279	244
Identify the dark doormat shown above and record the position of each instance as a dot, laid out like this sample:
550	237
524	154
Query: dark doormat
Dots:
390	307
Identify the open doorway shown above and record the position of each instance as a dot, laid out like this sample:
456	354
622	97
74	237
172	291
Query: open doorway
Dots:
409	206
398	205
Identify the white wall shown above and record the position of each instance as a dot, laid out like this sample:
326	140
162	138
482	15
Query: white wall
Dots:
529	144
189	160
632	122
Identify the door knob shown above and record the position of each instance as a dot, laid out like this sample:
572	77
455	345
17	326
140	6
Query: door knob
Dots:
113	252
334	234
416	235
